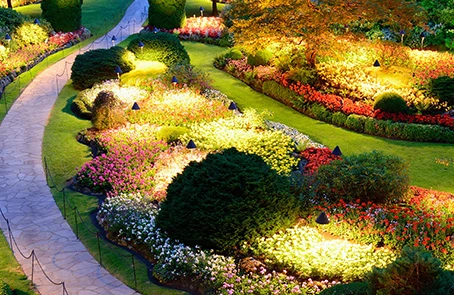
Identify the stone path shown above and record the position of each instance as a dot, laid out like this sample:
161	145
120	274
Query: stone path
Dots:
35	220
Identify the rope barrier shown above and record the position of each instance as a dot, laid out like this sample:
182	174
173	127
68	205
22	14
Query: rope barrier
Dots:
32	256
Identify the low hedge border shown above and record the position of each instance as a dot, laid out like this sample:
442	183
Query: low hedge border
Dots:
358	123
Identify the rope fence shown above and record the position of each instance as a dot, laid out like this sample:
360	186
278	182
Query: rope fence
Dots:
79	222
32	256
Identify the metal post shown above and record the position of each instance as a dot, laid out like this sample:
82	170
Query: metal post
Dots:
134	271
75	218
99	249
33	263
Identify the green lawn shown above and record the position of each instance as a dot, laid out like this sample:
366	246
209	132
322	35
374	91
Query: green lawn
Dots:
11	272
424	170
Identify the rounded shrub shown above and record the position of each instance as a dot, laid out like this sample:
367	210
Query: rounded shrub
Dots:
63	15
81	107
229	198
108	111
167	14
415	272
234	53
260	58
170	134
371	176
98	65
162	47
443	88
391	102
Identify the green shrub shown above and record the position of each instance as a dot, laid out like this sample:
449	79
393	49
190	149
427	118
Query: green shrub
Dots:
443	88
162	47
63	15
229	198
30	33
234	53
187	75
98	65
167	14
260	58
81	107
415	272
281	93
304	75
338	119
5	289
355	288
391	102
246	133
108	111
319	112
371	176
355	122
170	134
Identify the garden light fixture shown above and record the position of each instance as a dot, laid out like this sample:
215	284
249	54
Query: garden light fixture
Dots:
201	10
8	38
113	40
174	81
233	106
141	45
135	107
376	63
155	30
337	151
322	218
36	21
422	35
118	71
191	145
402	33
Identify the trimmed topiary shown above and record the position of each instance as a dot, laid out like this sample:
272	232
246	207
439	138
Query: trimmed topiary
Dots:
63	15
260	58
416	272
371	176
98	65
162	47
108	111
443	88
234	53
229	198
168	14
391	102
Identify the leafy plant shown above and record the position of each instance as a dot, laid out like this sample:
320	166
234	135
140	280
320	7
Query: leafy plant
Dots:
416	271
233	197
443	88
108	111
260	58
391	102
371	176
162	47
96	66
64	15
5	289
170	134
167	14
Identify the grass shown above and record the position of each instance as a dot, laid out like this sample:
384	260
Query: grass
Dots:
62	128
424	170
11	272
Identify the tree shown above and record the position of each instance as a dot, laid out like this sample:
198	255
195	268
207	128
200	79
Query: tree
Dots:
9	3
310	22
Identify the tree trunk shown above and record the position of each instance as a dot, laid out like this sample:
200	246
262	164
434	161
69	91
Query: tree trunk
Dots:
10	4
214	8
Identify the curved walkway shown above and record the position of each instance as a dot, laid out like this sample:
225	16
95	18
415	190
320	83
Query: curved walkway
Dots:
25	198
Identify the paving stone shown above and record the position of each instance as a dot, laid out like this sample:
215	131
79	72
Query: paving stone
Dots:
35	220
